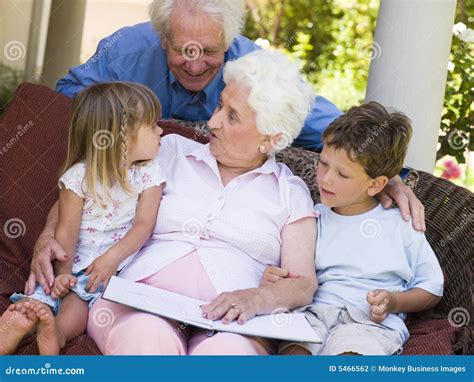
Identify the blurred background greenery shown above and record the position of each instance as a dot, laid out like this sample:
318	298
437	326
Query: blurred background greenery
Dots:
332	40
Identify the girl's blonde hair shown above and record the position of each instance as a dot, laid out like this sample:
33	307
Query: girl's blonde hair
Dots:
104	118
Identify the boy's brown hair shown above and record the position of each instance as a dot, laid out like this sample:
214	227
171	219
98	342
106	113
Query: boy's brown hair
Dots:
372	136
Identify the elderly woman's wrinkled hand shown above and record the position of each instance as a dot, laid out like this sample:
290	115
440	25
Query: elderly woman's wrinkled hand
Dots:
240	305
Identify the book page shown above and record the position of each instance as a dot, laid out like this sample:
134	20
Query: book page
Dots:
155	300
286	326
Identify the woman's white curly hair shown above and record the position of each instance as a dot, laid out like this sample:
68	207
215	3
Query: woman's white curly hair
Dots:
279	96
230	13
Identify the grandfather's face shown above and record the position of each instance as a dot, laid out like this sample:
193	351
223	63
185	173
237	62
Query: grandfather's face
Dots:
195	49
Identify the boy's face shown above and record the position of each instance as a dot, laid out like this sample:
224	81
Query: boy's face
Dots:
341	181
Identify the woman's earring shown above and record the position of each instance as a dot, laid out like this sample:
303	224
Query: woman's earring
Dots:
262	148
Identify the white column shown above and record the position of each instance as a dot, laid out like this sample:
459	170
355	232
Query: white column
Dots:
409	68
37	39
63	46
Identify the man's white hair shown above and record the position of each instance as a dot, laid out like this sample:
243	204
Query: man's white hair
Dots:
279	96
230	13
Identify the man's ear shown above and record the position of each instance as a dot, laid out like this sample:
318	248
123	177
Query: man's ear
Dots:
377	185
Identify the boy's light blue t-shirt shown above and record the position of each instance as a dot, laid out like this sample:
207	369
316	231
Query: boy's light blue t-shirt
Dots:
374	250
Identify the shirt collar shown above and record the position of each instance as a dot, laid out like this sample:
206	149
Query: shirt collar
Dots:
204	154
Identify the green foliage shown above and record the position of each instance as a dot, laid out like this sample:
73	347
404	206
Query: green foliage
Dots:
333	40
457	119
9	80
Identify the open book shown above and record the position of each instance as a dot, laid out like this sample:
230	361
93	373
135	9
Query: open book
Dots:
285	326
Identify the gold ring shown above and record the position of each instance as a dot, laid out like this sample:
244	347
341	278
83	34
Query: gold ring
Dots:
233	306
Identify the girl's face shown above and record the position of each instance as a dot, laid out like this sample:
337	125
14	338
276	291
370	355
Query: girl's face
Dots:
145	145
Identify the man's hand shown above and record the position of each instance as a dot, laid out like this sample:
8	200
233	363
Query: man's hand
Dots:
274	274
406	200
62	285
46	250
100	271
381	304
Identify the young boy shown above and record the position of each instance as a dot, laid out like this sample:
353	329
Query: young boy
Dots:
372	267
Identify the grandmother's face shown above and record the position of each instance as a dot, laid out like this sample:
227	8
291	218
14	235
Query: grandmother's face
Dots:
235	139
195	48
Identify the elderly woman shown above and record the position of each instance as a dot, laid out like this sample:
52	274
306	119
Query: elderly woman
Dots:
228	211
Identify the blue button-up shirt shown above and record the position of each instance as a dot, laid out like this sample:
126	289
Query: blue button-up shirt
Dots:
135	54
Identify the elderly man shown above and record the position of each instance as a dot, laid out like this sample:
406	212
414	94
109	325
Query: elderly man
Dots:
180	55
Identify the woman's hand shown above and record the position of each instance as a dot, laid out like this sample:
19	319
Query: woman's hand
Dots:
240	305
275	274
406	200
100	271
62	285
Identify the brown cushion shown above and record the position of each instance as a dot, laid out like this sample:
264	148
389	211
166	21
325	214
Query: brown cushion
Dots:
33	146
430	337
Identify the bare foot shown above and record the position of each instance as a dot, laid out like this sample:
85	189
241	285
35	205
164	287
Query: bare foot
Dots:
14	325
46	331
22	305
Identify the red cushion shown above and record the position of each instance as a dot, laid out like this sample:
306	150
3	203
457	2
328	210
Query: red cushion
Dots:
430	337
33	146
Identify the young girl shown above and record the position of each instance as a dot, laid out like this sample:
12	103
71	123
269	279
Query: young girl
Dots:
108	203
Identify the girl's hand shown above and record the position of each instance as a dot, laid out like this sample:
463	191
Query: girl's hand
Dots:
240	305
381	304
274	274
100	271
62	285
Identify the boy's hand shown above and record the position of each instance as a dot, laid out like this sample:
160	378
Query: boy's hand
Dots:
274	274
62	285
100	271
381	304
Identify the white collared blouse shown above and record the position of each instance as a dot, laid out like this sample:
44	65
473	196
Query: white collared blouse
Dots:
236	229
